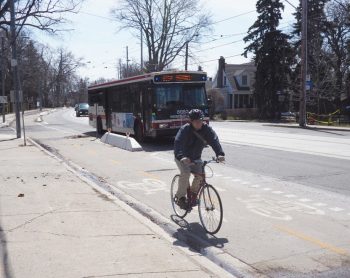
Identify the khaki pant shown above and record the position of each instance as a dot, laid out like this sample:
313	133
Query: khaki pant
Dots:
184	181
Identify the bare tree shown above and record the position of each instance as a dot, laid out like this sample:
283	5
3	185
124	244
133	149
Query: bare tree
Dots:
46	15
63	76
167	26
218	101
337	33
128	70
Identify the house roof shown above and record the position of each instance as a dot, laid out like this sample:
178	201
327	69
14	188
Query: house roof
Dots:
234	70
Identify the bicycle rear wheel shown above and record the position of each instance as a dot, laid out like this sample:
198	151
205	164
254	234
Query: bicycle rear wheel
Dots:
210	209
174	186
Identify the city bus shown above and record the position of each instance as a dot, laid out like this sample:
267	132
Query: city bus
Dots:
149	105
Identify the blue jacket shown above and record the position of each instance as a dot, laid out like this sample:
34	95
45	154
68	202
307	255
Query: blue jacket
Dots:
187	144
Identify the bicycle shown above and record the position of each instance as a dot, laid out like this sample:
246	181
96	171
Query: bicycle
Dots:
209	201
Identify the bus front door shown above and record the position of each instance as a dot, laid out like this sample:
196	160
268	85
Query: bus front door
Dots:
147	111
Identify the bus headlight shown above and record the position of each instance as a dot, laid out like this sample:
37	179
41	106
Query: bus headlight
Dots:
163	125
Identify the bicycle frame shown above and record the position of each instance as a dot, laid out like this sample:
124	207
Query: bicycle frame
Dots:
203	182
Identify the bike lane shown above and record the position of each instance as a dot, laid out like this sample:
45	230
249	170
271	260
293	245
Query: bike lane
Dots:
276	227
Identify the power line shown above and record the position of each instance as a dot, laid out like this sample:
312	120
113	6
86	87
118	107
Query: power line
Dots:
233	17
208	61
221	45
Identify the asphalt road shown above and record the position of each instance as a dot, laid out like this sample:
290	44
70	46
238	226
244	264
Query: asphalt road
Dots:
285	191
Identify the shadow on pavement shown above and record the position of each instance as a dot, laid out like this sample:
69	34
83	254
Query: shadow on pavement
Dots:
10	139
149	145
189	233
159	144
5	268
92	134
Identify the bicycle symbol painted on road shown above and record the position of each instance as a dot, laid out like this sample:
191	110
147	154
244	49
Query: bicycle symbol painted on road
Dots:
279	210
149	186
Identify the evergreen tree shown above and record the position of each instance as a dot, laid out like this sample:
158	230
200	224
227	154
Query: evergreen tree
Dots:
273	56
317	57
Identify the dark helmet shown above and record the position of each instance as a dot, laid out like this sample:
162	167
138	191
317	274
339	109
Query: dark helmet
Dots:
196	114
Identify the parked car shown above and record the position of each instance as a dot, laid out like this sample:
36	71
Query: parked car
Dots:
288	116
82	109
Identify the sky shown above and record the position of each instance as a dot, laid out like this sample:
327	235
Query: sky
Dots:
96	39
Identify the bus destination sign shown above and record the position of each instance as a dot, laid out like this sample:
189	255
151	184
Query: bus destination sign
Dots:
180	77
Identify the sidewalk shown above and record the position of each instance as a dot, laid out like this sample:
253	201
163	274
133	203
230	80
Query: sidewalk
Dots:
312	127
290	125
52	224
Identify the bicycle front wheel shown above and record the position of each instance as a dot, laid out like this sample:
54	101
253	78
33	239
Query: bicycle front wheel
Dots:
174	186
210	209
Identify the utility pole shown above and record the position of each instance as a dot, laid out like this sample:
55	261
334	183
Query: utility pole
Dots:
127	61
302	108
120	68
141	49
14	64
3	74
186	59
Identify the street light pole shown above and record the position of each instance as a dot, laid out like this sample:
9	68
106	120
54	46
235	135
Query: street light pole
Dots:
14	64
302	108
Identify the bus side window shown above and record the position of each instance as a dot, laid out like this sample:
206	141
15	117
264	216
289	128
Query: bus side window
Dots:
135	99
124	100
116	105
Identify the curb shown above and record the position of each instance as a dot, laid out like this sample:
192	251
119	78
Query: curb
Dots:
212	258
130	205
308	127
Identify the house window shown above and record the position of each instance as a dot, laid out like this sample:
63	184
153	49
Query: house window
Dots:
244	80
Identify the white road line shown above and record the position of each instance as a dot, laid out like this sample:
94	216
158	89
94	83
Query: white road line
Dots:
217	175
220	189
227	178
245	182
304	200
320	204
267	189
290	196
255	186
236	180
277	192
336	209
61	130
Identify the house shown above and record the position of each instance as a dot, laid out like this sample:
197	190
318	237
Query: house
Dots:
235	84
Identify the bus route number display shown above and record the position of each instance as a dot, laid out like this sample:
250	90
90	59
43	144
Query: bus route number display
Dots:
164	78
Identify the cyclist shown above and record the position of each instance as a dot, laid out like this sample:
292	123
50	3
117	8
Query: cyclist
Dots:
189	143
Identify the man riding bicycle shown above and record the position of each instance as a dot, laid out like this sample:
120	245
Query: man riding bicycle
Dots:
189	144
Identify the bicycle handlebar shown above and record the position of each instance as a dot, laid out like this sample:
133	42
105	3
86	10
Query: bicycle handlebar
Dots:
205	162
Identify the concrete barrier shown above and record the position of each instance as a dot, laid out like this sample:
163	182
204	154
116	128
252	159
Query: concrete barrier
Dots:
39	119
120	141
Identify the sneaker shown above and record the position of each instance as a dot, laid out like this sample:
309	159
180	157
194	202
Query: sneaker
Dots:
182	203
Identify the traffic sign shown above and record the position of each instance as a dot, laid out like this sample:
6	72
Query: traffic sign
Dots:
309	85
3	99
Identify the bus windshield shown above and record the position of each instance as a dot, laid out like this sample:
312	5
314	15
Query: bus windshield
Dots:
180	96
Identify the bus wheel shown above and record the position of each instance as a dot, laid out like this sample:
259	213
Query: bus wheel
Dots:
99	126
139	134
